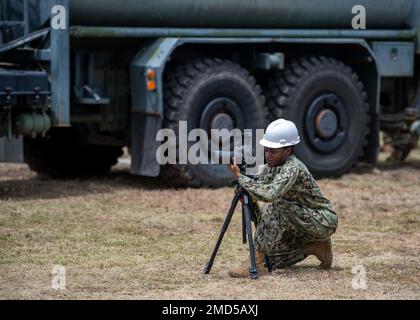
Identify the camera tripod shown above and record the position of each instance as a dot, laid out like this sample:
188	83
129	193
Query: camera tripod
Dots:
248	214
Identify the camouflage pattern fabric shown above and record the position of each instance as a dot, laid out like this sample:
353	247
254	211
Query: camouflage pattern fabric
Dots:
403	143
296	215
404	140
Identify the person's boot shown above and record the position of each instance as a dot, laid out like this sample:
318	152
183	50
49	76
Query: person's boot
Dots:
242	271
321	250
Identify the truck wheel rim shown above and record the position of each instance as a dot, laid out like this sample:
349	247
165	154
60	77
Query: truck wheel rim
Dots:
326	123
221	113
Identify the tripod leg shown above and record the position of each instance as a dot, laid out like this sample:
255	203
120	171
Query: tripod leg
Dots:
225	226
244	235
247	213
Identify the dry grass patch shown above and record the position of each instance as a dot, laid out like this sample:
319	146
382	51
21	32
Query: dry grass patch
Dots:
125	237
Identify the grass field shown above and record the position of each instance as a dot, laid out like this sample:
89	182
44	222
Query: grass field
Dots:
124	237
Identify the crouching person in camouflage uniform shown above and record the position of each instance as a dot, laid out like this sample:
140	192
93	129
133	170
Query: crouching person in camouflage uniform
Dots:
298	220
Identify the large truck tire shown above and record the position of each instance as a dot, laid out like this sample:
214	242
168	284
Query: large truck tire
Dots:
329	105
61	156
210	93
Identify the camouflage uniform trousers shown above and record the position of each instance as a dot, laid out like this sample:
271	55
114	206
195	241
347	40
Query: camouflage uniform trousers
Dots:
284	228
403	143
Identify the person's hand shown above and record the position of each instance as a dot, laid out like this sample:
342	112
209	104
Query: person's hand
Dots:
235	169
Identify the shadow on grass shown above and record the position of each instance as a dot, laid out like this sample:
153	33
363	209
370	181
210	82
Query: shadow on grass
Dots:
33	187
23	185
388	166
299	269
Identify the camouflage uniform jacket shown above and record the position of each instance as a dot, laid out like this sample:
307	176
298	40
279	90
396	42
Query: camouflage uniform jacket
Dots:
292	182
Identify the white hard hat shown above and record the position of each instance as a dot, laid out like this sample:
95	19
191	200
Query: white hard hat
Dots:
281	134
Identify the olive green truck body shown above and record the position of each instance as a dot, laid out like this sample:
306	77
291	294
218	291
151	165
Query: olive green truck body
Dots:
81	79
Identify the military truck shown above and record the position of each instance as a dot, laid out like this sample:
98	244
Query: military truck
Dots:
82	79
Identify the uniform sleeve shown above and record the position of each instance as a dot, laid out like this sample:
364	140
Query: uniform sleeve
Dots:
271	191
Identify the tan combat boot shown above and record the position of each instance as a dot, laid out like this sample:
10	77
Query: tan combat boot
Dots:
321	250
242	271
